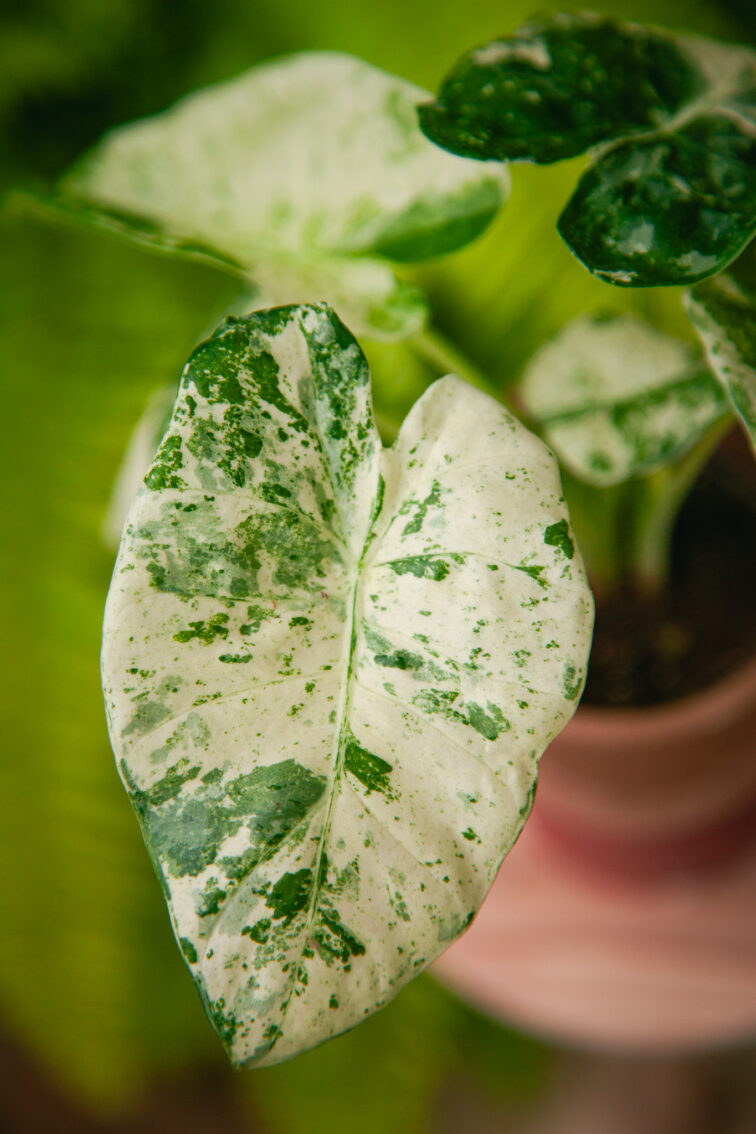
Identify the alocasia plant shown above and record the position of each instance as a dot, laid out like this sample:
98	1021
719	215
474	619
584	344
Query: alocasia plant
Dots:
669	196
331	669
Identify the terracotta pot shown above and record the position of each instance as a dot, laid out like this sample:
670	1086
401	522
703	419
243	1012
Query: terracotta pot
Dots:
625	916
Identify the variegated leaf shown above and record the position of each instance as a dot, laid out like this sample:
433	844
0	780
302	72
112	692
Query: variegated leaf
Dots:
616	398
670	195
305	174
723	311
331	669
143	444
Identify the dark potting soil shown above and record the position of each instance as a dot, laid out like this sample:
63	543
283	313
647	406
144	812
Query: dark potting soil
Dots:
648	650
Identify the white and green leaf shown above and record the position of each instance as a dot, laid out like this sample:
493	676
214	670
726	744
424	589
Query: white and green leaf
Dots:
723	311
331	669
616	399
305	174
140	451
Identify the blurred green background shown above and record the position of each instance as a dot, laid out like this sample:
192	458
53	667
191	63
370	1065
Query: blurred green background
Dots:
95	1002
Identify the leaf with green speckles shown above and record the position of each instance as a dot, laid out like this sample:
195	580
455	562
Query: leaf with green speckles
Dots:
723	311
381	715
279	177
617	399
143	444
670	194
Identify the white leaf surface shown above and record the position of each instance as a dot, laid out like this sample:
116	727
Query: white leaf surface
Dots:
331	669
312	160
617	399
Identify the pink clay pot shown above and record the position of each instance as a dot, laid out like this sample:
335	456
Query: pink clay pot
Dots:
625	916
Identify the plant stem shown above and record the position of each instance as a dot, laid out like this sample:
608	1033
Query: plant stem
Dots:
446	358
656	501
599	517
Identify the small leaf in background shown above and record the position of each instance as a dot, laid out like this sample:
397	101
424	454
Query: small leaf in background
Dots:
617	399
670	195
307	191
331	669
723	311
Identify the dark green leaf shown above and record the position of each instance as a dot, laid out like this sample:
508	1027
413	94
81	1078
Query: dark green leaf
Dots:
670	196
666	209
554	89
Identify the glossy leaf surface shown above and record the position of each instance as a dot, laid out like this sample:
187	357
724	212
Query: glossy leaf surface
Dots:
670	195
723	311
616	399
331	669
306	174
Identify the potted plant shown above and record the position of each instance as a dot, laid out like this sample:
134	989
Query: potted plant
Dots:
326	220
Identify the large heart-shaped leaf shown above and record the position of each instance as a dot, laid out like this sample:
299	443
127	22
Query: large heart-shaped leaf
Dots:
723	311
617	399
670	196
304	174
331	669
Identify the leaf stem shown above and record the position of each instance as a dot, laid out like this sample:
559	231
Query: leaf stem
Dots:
442	355
656	501
624	531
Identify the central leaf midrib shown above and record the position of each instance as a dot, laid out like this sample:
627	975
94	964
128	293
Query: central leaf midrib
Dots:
338	751
338	755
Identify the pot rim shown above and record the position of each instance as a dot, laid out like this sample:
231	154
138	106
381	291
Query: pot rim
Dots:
716	702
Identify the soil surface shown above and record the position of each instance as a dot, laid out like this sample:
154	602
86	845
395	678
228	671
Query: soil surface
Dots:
648	650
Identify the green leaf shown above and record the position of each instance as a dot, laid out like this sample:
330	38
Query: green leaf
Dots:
671	208
616	399
299	174
723	311
555	88
331	669
670	195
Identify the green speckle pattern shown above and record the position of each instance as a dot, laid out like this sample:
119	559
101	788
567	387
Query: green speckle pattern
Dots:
142	446
325	816
303	191
617	399
723	311
670	195
558	535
